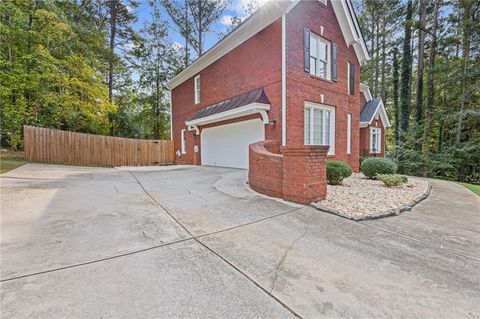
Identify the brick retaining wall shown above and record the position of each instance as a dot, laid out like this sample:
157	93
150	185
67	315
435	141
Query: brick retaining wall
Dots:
297	175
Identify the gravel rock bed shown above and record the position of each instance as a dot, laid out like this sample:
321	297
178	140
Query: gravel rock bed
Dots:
359	198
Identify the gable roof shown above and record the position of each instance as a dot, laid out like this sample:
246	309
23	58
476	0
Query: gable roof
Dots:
262	18
255	96
370	110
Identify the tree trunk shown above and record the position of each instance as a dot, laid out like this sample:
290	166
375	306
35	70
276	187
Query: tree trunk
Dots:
421	50
383	92
427	133
200	31
406	75
466	22
376	57
395	95
113	33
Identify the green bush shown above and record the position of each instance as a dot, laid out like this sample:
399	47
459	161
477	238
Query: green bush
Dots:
337	171
391	179
378	165
361	159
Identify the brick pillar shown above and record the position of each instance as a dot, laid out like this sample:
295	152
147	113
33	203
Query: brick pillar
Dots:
304	173
196	150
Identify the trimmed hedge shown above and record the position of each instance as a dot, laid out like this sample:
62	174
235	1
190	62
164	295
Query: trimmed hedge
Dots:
337	171
391	179
377	165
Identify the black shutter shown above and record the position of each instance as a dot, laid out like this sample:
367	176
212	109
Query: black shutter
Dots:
352	78
306	49
334	62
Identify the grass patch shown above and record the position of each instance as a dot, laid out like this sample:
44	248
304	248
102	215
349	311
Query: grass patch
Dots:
474	188
10	160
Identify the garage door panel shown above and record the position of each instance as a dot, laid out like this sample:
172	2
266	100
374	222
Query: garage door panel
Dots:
227	145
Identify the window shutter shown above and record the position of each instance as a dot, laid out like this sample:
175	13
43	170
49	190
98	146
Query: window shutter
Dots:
352	79
306	49
334	62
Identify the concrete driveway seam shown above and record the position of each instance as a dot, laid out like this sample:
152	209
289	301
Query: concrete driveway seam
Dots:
96	260
365	223
226	261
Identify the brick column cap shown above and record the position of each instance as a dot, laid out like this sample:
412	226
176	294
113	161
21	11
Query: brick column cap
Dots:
304	150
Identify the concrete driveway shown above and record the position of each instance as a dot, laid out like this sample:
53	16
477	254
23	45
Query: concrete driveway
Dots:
194	242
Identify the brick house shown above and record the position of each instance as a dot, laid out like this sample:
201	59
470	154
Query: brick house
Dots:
373	122
290	73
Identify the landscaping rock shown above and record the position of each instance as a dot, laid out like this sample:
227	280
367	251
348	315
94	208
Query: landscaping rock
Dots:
359	198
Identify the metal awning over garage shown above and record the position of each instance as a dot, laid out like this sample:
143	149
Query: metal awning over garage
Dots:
252	102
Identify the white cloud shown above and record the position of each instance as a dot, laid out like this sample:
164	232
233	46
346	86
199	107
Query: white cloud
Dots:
177	46
226	20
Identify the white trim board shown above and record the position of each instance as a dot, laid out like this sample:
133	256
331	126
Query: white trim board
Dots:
265	16
248	109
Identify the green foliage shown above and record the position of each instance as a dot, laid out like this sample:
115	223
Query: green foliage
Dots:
337	171
47	73
391	180
376	165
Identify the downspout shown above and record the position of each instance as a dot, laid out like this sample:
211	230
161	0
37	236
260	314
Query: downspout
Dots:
171	115
284	80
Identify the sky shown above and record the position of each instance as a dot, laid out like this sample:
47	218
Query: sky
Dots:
234	8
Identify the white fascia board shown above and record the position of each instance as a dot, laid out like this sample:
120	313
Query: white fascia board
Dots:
383	115
245	31
249	109
364	124
348	27
365	89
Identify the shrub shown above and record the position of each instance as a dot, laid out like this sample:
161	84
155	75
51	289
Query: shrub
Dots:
378	165
337	171
361	159
391	179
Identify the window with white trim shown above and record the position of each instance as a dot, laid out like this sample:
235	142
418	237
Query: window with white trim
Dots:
184	142
197	89
319	57
349	133
323	1
375	140
319	125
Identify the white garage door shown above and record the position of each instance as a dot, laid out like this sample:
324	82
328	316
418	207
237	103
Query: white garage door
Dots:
227	145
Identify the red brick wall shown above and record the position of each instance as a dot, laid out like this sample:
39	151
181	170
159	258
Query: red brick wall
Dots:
301	86
365	139
265	174
255	63
297	175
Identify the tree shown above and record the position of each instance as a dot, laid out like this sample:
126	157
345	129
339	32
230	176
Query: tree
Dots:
194	26
158	61
421	50
427	133
119	17
406	73
395	95
50	70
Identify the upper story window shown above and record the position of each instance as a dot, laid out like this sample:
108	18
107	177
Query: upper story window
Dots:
197	89
319	57
323	2
375	140
319	125
351	78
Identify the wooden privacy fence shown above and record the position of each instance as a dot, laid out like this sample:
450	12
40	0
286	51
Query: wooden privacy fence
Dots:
63	147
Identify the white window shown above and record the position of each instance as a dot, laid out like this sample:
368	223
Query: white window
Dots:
323	1
184	142
319	125
319	57
375	140
349	133
197	89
